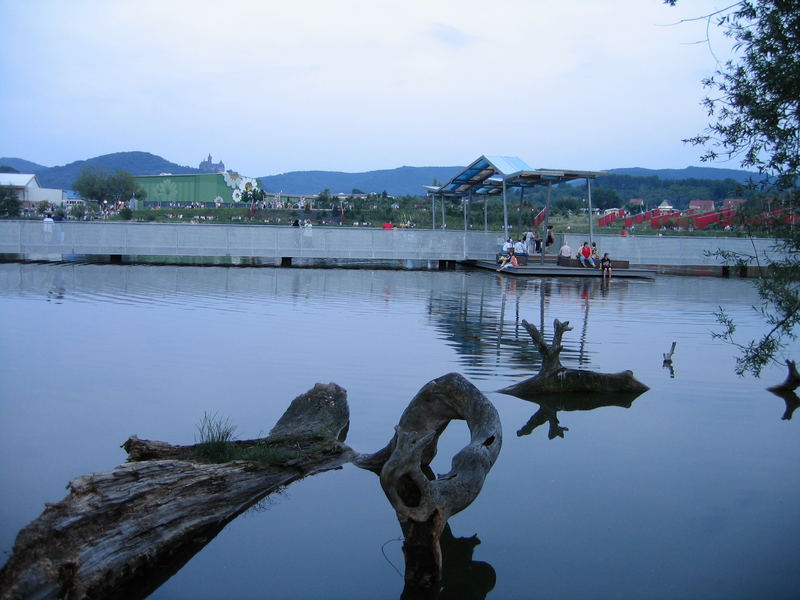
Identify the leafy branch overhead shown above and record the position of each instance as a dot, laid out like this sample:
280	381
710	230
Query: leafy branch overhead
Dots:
754	113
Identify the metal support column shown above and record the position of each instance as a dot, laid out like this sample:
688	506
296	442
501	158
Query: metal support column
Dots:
485	212
547	220
591	216
433	211
444	220
505	212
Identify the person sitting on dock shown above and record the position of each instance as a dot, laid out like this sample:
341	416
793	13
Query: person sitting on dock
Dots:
586	254
566	251
510	261
605	265
595	251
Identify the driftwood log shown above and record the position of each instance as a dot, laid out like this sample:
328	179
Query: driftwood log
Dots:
424	502
122	533
553	377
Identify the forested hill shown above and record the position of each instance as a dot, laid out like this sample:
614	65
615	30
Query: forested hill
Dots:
21	165
689	173
403	181
135	163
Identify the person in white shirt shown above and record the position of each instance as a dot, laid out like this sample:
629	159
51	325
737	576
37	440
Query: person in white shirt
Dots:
565	250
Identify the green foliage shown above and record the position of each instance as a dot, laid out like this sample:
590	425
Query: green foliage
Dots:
9	203
94	183
78	211
754	109
216	443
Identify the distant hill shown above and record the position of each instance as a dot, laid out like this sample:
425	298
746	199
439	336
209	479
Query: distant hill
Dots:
396	182
22	165
135	163
690	173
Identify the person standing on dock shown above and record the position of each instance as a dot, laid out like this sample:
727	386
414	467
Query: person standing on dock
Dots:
549	239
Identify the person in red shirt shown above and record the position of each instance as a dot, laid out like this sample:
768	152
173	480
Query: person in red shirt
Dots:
586	255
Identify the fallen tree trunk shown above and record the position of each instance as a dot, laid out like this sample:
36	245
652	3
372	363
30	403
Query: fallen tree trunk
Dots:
553	377
122	533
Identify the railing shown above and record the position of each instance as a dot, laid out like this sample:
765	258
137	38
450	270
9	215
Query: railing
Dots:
35	238
156	239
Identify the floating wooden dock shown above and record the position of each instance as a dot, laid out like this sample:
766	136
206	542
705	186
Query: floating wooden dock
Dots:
551	269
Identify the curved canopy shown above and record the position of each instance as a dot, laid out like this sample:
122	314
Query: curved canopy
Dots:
487	174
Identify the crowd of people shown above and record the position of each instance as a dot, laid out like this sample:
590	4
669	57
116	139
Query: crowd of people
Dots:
530	243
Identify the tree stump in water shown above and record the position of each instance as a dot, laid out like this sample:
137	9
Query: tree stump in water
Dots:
423	503
553	377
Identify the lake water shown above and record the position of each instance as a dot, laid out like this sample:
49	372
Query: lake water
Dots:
692	492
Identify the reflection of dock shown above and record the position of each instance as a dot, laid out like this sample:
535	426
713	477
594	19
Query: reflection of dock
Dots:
555	270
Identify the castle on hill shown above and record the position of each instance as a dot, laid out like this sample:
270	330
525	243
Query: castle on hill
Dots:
208	166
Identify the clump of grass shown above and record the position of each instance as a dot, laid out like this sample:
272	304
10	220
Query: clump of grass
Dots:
214	437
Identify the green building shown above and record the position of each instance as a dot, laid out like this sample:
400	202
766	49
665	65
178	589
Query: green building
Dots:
201	190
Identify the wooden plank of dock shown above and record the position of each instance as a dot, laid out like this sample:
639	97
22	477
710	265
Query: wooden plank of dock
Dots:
551	269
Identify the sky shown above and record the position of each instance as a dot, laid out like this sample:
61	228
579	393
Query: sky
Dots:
356	85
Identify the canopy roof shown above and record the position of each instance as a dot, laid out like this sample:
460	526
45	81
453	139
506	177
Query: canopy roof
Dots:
487	174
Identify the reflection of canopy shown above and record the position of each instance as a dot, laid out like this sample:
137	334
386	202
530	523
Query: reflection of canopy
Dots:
492	175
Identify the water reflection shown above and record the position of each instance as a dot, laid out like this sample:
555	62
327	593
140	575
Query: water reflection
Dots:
551	405
462	577
791	400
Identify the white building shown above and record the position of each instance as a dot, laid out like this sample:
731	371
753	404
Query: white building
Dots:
29	191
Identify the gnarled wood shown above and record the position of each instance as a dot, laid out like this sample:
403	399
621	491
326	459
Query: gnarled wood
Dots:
120	534
423	503
553	377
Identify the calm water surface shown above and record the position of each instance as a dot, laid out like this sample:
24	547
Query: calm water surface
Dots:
691	492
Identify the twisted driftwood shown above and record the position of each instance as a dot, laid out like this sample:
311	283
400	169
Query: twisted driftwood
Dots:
553	377
423	503
122	533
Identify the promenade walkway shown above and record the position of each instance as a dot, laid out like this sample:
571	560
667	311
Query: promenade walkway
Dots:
36	240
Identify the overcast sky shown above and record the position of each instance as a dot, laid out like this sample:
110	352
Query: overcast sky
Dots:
355	85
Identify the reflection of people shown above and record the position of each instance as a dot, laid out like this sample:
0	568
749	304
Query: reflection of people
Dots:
586	255
605	265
